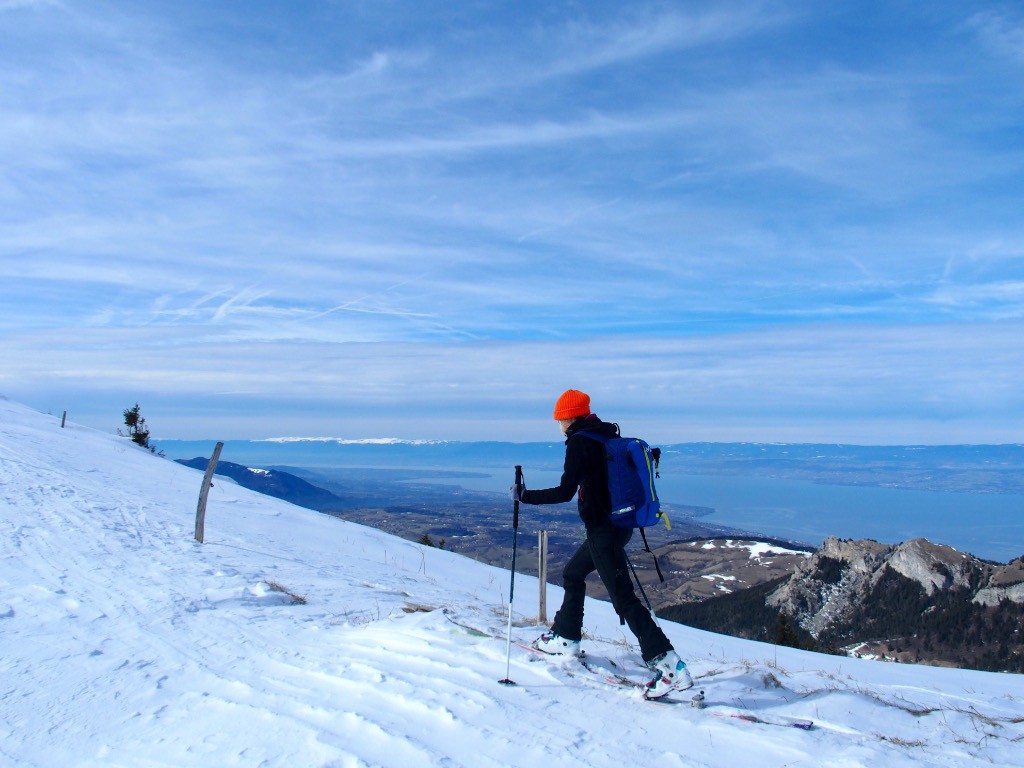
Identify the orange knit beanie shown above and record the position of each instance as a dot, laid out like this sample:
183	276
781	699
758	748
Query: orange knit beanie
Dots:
571	404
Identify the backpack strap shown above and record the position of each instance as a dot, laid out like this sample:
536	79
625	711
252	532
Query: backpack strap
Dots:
601	438
647	548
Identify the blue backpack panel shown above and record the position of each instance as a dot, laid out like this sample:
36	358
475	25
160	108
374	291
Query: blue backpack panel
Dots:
632	467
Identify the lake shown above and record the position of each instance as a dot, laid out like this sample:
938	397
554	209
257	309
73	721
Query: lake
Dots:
990	526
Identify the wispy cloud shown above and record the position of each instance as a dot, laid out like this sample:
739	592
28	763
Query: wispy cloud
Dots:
1001	31
641	32
16	5
538	191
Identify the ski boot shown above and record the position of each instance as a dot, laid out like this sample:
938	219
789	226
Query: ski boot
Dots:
670	674
556	645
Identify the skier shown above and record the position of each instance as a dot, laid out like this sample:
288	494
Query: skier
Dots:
604	550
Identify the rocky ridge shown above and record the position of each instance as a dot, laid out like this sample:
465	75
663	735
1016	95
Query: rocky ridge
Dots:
829	587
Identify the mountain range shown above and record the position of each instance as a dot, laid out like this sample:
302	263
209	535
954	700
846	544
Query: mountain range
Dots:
272	482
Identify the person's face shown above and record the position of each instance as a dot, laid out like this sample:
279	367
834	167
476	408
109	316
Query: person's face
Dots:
564	424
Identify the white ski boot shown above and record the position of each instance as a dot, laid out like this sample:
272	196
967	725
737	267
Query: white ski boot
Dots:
670	674
556	645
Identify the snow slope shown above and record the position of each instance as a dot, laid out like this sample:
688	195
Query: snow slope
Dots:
123	642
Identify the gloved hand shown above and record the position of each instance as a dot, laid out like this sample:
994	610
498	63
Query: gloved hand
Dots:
516	491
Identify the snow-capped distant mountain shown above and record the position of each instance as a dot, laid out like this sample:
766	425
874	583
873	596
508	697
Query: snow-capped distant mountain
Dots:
351	441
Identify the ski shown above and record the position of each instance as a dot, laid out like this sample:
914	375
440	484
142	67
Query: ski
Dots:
697	701
786	722
604	677
614	678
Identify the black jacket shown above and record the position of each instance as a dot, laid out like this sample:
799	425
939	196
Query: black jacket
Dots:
586	470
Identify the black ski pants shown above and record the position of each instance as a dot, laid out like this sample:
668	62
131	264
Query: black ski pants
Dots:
605	551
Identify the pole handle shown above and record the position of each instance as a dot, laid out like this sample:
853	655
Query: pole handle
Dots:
515	506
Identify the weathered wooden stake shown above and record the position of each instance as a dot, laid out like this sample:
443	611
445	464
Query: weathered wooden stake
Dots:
542	572
63	419
205	491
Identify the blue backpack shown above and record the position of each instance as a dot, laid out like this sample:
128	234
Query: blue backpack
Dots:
632	467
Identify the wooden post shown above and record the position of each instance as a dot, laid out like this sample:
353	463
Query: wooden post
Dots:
205	491
542	576
63	419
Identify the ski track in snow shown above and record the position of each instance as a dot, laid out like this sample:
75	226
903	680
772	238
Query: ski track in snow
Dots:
123	642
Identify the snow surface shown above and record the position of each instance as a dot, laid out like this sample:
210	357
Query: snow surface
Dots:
295	639
720	577
757	549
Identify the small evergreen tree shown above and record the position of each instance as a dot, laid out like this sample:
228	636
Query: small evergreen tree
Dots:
425	539
785	634
136	423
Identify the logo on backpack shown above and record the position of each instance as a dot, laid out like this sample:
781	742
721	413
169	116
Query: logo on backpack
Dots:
632	467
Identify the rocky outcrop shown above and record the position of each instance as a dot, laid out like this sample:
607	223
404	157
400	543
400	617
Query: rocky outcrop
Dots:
916	602
825	587
834	583
1005	583
994	595
933	566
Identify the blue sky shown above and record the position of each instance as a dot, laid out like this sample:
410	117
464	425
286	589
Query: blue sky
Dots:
793	221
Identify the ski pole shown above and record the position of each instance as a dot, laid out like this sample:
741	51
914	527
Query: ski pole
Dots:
512	586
